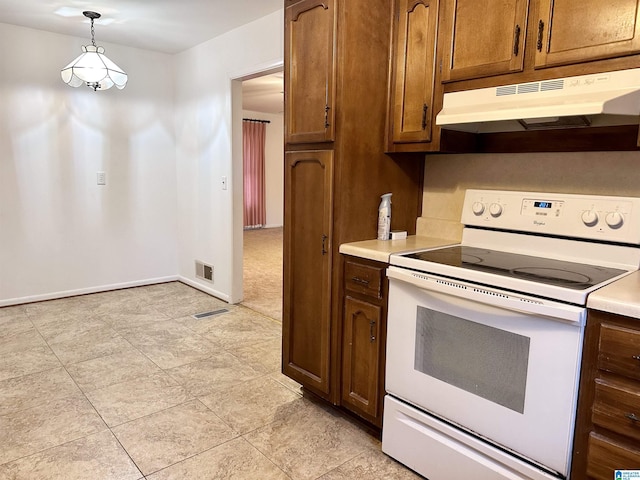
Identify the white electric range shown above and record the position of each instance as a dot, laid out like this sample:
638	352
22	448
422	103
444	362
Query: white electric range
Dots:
485	338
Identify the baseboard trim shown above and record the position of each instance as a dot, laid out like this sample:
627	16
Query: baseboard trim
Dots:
203	288
86	291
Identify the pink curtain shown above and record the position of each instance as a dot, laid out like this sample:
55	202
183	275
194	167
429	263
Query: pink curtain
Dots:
253	139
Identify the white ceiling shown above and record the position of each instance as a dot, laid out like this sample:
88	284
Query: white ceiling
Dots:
264	94
169	26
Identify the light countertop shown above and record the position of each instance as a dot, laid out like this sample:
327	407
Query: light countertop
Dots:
381	249
621	297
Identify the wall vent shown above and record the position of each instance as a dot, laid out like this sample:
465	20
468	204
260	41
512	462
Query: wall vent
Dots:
204	271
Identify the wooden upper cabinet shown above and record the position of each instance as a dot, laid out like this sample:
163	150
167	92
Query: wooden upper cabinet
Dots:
307	272
576	31
310	71
483	38
414	69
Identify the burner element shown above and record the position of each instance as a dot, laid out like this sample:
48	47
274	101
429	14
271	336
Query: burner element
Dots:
555	275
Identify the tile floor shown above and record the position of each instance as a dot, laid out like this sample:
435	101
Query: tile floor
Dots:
128	385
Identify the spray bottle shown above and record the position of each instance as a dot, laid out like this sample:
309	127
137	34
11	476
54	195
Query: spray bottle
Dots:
384	217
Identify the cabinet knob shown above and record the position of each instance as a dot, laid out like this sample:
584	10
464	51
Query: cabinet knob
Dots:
636	357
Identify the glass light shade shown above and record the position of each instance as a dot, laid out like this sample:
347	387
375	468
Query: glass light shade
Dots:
94	69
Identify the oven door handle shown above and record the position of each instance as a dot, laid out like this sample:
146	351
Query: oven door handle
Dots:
490	296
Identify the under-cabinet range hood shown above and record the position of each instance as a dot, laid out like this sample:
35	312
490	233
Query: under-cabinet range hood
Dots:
611	98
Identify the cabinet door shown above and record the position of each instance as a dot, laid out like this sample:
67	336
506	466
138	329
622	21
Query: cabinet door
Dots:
307	267
607	455
574	31
310	71
414	55
484	38
360	356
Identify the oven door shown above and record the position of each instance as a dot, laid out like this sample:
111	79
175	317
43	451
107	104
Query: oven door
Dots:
501	365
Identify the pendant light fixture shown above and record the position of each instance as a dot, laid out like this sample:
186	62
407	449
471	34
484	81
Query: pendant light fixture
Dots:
92	67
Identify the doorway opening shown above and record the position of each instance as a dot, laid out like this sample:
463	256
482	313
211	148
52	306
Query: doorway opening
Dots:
261	98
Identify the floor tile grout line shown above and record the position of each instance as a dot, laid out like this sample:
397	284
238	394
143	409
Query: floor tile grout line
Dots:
237	435
126	452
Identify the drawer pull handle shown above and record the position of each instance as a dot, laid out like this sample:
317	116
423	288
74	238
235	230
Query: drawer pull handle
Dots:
361	281
633	417
372	336
636	357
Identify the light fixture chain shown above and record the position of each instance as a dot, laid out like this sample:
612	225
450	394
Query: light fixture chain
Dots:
93	34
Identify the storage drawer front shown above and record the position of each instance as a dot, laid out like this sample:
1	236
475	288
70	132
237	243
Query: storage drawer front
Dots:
364	279
617	407
619	351
605	456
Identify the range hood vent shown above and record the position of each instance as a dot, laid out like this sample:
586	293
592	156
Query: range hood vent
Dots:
611	98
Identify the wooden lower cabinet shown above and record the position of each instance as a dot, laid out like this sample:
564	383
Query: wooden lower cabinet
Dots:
608	423
364	338
307	273
607	455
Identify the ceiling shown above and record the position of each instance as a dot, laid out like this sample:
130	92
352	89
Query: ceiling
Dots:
264	94
168	26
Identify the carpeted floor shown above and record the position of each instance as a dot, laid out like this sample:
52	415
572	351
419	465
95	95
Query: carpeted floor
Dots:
262	271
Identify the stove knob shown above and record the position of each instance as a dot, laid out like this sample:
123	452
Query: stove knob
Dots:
614	219
478	208
590	218
495	209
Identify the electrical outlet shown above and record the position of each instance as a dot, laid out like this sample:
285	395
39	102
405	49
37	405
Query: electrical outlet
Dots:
101	178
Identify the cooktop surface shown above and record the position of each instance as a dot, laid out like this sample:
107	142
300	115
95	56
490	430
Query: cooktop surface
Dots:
576	276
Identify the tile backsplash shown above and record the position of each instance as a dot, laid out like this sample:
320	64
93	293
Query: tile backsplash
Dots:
447	177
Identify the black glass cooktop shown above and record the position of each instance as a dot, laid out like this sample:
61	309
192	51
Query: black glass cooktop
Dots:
572	275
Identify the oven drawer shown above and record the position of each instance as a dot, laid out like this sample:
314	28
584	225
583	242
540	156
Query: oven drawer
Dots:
439	451
363	279
617	407
619	351
606	456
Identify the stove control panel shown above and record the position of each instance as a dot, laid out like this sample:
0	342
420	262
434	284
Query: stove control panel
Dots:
593	217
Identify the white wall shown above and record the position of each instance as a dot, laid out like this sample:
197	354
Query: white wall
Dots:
60	233
274	166
207	127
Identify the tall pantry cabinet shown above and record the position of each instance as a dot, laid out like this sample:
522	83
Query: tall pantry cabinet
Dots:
336	73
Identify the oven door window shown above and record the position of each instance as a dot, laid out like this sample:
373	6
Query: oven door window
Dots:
479	359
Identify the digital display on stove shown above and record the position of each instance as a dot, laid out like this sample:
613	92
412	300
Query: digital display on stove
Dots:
538	204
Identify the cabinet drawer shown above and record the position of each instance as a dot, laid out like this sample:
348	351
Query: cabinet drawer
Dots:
616	407
364	279
605	456
619	351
